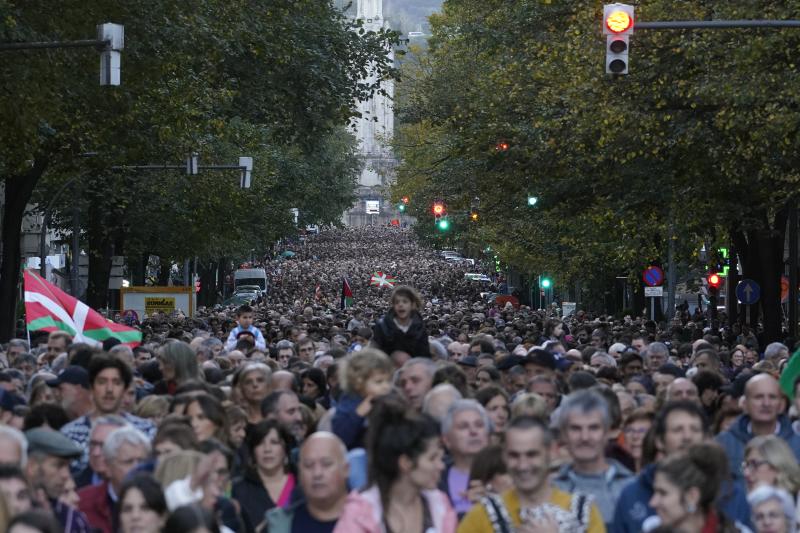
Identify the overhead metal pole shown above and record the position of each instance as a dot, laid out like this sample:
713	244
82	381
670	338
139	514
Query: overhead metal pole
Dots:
714	24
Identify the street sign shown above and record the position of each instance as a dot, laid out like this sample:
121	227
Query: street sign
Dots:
654	292
653	276
748	291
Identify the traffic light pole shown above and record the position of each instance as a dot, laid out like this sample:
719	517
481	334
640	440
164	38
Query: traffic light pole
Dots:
715	24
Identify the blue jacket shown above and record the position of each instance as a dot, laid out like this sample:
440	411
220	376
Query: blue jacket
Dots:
736	438
347	424
633	505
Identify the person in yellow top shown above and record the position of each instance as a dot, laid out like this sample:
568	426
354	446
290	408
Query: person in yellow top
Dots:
532	505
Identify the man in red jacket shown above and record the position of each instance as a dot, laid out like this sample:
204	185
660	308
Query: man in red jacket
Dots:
123	449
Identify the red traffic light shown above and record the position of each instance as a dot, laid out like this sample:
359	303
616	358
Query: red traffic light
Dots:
405	200
502	146
714	280
619	21
438	209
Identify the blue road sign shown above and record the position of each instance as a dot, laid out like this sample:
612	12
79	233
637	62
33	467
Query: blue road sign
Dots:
653	276
748	291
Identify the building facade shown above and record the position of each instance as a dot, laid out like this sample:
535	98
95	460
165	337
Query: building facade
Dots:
374	131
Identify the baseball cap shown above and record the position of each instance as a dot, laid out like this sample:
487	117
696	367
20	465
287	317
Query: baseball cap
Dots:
74	375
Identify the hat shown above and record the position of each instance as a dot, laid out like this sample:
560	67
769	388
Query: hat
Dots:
9	400
74	375
468	360
510	361
51	442
541	358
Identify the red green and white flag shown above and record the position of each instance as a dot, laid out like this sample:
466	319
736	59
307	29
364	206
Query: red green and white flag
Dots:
380	280
347	294
48	308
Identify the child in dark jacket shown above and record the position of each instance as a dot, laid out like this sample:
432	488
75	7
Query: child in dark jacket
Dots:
364	376
402	328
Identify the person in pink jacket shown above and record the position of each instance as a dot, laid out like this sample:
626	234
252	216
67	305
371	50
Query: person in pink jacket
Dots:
406	462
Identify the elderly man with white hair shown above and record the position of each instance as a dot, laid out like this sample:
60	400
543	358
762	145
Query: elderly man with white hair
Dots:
776	352
124	449
439	399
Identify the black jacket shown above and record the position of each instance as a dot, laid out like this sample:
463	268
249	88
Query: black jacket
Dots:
389	338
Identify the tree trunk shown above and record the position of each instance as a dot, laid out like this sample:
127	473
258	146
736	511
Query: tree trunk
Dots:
761	254
101	250
164	271
18	191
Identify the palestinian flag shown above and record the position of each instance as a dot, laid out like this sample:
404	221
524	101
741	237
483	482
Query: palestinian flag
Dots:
48	308
347	294
380	280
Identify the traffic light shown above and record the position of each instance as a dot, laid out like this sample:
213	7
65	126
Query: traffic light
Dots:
617	27
547	283
439	212
401	207
443	224
714	280
532	201
405	200
502	146
473	216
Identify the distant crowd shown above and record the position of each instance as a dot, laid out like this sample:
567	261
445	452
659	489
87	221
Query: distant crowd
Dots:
423	407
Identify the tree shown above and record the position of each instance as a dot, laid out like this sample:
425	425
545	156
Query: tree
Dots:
227	78
685	144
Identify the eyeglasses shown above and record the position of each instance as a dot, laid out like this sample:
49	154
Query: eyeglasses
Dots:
753	464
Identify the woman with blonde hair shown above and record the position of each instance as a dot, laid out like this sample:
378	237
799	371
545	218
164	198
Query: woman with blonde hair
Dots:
768	460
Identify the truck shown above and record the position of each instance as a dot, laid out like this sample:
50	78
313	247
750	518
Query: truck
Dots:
251	276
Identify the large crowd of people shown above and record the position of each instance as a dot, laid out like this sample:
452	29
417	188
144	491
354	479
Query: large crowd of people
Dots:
419	408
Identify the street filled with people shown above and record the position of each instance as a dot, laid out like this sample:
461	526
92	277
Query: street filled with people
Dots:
405	402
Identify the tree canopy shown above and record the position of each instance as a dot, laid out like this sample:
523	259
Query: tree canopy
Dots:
701	136
275	80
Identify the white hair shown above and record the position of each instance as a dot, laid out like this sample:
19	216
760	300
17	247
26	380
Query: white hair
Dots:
124	435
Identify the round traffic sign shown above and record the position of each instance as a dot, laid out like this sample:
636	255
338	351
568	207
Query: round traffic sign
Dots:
748	291
653	276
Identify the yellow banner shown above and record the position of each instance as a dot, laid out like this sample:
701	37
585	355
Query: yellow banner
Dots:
164	305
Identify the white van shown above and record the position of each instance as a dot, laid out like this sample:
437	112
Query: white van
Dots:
250	276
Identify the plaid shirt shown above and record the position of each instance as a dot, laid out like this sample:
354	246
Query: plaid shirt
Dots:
80	429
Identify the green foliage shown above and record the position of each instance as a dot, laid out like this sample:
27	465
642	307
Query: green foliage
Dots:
702	135
276	81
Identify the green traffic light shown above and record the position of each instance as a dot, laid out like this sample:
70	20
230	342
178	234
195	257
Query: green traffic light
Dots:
401	207
444	224
546	283
532	200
